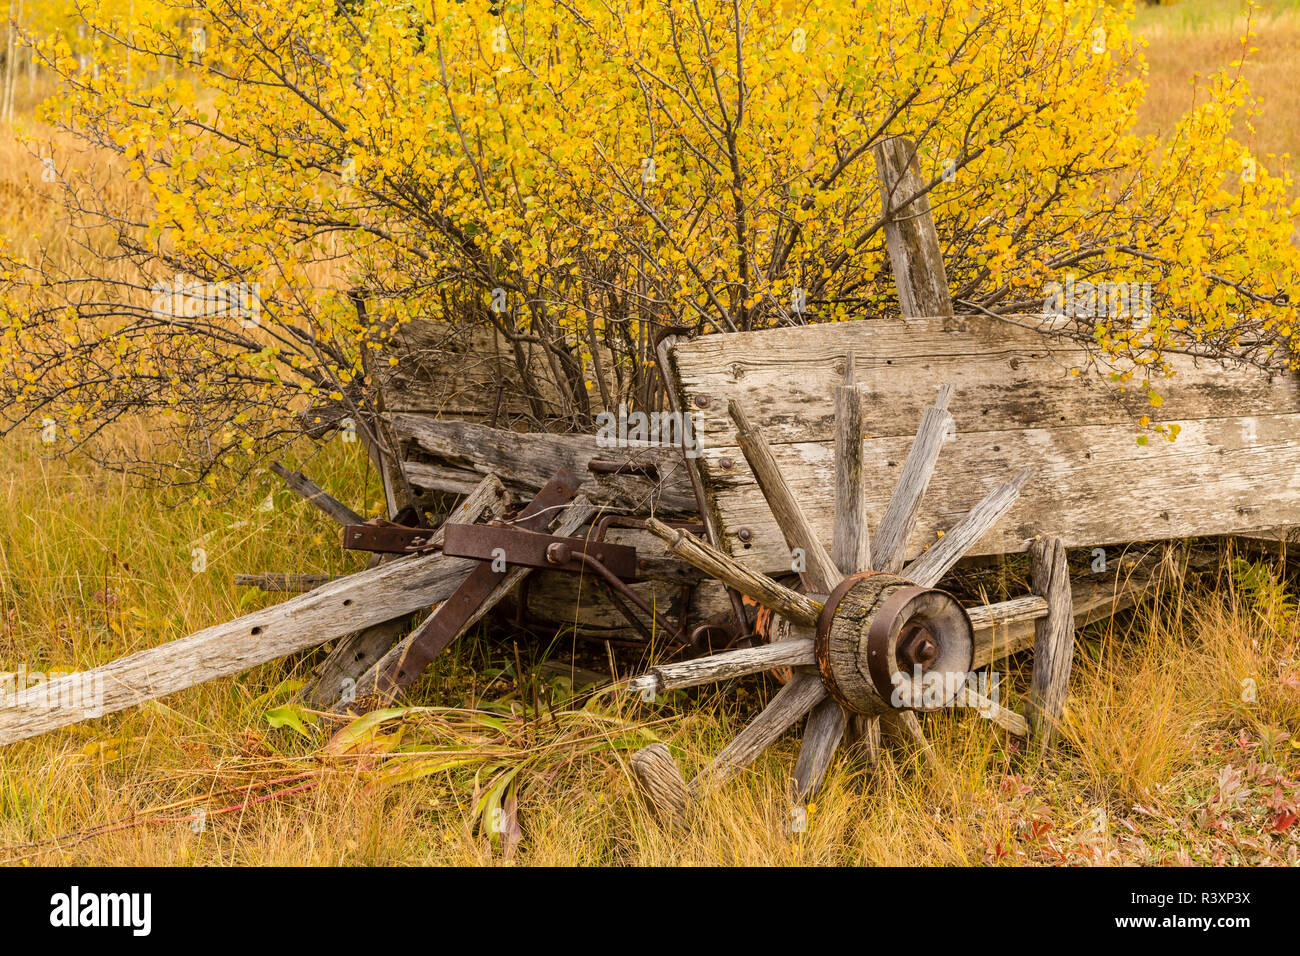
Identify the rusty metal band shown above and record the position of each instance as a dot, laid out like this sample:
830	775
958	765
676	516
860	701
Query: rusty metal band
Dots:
825	622
879	663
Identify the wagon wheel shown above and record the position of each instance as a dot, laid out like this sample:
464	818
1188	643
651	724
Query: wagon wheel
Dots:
885	641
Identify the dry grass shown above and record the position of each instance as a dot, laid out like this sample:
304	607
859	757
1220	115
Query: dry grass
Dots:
1162	760
1180	743
1190	39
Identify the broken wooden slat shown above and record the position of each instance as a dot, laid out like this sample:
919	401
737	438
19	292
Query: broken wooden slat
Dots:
1053	640
526	461
314	494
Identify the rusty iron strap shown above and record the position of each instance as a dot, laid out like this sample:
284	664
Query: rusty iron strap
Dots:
534	550
439	629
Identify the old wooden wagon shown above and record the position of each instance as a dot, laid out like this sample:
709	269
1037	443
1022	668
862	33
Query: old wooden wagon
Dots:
843	471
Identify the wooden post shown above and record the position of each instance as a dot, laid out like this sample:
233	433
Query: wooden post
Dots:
1053	639
910	236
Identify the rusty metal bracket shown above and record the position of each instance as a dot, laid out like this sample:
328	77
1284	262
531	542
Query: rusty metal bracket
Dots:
439	629
386	537
516	546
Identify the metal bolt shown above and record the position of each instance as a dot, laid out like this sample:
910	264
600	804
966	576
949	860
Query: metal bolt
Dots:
917	647
702	401
744	534
726	463
558	553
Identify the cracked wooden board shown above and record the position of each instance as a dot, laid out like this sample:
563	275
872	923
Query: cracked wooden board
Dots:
1234	467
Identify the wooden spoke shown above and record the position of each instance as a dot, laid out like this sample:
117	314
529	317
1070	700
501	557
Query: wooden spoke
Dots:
799	695
889	546
903	731
935	563
821	736
1053	638
820	573
1004	717
850	540
791	605
702	670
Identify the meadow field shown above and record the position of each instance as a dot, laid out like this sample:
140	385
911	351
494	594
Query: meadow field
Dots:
1181	743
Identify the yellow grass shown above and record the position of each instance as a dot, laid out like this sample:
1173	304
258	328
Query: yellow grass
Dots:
1180	743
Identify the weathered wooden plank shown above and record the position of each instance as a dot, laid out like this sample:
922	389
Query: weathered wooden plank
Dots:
525	461
1092	485
339	607
1005	376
